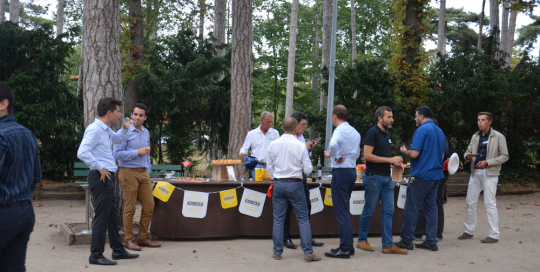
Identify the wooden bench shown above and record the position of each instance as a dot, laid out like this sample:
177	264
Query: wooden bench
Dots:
81	169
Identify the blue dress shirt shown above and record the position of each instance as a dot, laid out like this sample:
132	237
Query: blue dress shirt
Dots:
126	153
20	169
96	146
345	142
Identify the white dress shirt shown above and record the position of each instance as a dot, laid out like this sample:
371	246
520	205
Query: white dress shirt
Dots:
301	138
258	142
287	158
345	142
96	146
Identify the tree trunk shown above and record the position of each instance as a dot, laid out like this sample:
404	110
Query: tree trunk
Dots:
481	26
504	25
441	46
353	33
494	18
241	81
59	18
219	24
315	79
202	11
326	39
136	34
413	20
14	6
511	33
2	10
291	60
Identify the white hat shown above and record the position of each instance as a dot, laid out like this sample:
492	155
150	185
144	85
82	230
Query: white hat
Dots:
453	164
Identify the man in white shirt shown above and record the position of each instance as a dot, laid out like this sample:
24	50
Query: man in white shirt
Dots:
287	160
96	152
344	150
259	139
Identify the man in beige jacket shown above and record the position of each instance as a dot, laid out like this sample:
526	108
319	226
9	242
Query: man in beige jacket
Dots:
487	152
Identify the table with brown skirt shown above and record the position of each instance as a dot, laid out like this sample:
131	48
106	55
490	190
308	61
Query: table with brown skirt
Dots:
168	221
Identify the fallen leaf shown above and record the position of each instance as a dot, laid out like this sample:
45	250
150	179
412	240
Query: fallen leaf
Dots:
37	244
55	226
525	214
194	251
195	257
457	245
508	208
457	213
53	247
520	242
536	204
228	248
86	266
50	225
38	205
517	229
489	260
523	203
170	263
506	227
471	263
71	206
71	201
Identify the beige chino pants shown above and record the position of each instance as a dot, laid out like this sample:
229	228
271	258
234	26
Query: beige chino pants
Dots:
135	184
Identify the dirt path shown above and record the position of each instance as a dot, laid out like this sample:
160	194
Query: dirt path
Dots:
517	250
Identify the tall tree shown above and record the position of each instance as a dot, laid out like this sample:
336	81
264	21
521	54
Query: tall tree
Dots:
59	17
316	70
353	32
326	39
441	46
494	18
220	8
481	25
14	10
202	12
528	34
136	57
291	59
504	25
511	33
241	79
2	10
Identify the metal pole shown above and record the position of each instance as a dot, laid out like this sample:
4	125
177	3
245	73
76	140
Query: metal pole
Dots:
332	73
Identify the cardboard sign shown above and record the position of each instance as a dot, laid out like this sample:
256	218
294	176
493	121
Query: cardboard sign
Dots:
163	191
328	198
357	202
195	204
228	199
402	196
252	203
316	200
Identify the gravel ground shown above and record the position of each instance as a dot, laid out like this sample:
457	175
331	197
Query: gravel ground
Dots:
517	250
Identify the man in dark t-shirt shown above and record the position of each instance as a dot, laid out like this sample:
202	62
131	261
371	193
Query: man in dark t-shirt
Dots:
378	181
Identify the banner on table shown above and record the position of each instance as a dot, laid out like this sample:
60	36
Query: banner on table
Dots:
195	204
328	197
163	191
252	203
357	201
402	196
316	200
228	199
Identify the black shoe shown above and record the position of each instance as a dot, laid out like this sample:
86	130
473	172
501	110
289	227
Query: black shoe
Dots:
101	261
350	251
427	246
289	244
402	245
123	255
338	254
316	244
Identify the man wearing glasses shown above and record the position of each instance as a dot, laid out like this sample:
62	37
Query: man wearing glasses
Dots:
301	118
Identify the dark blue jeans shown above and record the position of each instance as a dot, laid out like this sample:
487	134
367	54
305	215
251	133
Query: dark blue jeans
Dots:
293	193
287	225
105	215
342	187
378	187
421	194
16	224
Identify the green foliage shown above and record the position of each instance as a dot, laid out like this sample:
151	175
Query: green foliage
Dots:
34	63
187	91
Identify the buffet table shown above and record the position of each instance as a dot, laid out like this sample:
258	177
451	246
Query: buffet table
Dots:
168	221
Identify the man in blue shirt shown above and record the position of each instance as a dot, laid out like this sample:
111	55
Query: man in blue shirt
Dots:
344	150
20	172
96	152
426	153
133	156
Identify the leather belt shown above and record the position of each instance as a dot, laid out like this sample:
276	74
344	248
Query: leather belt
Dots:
290	180
16	204
141	169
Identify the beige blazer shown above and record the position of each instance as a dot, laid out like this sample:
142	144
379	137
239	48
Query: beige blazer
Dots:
497	152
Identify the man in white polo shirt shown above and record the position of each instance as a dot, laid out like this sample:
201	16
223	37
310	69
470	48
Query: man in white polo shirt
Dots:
259	139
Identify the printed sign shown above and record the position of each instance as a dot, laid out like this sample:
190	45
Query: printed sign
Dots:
328	198
228	199
195	204
402	196
357	202
163	191
252	203
316	200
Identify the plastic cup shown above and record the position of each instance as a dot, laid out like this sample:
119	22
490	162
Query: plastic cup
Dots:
127	124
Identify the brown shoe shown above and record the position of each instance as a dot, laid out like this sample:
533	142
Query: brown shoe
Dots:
364	245
132	246
311	257
394	250
465	236
147	243
489	240
276	257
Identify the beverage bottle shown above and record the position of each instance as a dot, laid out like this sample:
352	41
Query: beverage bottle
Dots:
319	169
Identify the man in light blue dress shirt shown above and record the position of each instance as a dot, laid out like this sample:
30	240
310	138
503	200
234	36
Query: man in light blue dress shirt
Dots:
344	150
96	152
133	156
